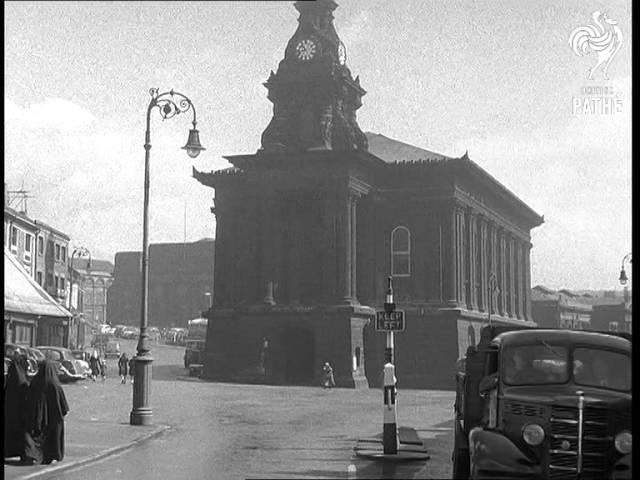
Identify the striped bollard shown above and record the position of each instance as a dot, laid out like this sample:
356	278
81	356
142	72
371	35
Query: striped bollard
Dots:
390	423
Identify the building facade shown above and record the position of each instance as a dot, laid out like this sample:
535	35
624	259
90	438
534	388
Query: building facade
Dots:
180	274
561	309
20	233
52	267
309	228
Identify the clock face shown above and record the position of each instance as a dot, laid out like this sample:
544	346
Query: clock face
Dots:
306	49
342	54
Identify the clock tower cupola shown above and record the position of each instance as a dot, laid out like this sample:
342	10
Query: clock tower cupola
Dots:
314	95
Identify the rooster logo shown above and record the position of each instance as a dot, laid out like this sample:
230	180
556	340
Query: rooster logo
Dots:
604	38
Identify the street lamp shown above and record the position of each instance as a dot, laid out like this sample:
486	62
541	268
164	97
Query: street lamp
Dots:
169	104
623	275
493	291
208	294
77	252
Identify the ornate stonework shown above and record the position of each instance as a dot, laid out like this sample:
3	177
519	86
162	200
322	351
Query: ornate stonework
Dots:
314	95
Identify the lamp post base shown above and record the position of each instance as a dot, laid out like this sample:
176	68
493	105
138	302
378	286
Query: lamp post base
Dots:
141	414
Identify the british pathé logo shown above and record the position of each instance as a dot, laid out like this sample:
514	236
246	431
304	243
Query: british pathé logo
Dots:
604	38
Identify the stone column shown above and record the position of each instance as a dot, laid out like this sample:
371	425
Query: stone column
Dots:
519	280
344	245
268	246
459	255
511	265
448	249
472	252
527	280
485	255
494	264
502	275
354	291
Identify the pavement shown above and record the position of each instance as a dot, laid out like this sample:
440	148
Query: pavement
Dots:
84	446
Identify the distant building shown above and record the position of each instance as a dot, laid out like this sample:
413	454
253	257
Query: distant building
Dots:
41	249
179	276
560	309
612	314
31	316
20	233
91	280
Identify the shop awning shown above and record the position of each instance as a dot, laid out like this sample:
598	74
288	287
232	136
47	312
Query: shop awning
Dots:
22	294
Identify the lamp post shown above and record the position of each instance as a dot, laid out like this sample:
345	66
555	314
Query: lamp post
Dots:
209	294
493	291
77	252
623	277
169	104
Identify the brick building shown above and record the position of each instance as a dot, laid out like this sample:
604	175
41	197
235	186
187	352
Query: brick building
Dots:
310	226
179	276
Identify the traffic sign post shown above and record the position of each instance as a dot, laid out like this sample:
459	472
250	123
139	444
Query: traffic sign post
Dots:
390	321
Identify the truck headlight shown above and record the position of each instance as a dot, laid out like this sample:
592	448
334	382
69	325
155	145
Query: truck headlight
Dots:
533	434
623	442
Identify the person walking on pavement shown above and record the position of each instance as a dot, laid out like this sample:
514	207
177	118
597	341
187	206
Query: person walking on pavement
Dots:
94	364
46	407
103	367
132	362
328	380
123	364
15	396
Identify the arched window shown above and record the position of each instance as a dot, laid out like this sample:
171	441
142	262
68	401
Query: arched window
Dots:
400	252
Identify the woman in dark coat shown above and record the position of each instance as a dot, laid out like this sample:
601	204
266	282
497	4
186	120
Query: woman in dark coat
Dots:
46	408
94	364
15	396
123	363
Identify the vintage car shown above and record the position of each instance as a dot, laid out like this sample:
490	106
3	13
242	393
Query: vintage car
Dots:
544	403
70	368
83	357
112	349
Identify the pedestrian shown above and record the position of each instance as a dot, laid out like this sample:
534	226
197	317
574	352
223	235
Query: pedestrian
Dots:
46	407
15	396
328	380
94	364
103	367
132	362
123	364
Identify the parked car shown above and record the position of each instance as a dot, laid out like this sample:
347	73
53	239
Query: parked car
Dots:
11	348
70	368
112	349
118	330
130	332
83	357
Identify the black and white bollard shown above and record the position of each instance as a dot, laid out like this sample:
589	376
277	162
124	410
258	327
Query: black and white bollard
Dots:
389	417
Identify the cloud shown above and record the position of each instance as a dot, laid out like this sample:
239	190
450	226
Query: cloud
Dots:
53	113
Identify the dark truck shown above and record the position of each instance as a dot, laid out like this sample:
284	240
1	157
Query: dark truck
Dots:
544	403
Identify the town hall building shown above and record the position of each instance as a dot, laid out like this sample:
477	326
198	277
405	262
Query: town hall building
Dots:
310	226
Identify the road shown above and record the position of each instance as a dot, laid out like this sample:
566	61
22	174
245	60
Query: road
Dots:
232	431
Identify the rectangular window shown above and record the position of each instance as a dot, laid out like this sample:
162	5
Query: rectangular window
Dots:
56	282
14	237
62	283
57	252
40	245
64	254
27	242
39	278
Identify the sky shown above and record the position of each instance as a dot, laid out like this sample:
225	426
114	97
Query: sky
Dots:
497	78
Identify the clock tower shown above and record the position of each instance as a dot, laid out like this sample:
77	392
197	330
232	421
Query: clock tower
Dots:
314	95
